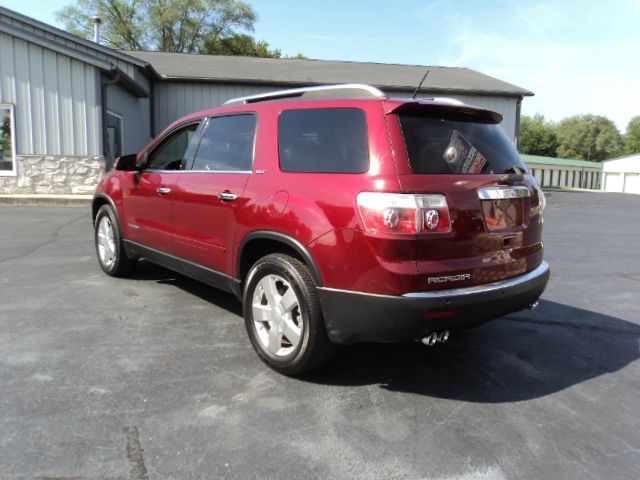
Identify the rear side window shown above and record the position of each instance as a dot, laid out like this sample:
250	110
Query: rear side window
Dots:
332	140
227	144
439	145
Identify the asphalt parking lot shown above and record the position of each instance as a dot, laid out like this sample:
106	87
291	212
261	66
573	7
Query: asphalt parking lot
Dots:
153	377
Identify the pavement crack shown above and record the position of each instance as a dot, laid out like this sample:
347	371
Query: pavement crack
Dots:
54	238
575	326
135	454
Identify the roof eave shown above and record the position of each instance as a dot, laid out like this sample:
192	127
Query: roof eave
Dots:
69	36
296	83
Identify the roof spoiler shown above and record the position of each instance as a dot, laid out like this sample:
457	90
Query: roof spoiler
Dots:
447	107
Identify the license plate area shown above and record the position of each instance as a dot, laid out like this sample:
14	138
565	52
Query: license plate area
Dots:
502	214
503	207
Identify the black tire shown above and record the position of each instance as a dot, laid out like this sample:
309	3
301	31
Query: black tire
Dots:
313	347
120	265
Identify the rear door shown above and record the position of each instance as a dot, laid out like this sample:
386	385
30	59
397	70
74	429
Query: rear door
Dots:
211	190
148	200
495	205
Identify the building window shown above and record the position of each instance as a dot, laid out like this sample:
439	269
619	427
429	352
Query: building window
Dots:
115	139
7	141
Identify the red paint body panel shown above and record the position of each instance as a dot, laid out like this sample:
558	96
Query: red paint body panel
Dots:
205	225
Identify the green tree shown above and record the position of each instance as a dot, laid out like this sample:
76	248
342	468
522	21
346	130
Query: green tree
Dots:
5	135
537	137
240	45
164	25
632	137
589	137
297	56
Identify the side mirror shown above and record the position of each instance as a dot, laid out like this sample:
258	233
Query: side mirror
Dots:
127	163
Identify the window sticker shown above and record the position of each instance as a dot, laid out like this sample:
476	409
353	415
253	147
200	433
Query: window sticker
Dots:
462	157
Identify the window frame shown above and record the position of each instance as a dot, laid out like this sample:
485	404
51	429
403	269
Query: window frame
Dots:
14	156
204	127
188	154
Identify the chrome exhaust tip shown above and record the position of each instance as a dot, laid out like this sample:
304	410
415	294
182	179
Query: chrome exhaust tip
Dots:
430	340
444	336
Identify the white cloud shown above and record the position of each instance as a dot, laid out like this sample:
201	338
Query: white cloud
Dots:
568	78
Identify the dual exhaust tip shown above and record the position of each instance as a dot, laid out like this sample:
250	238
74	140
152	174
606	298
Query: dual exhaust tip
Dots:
435	337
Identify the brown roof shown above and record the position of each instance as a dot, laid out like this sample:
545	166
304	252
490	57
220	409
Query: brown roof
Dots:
297	72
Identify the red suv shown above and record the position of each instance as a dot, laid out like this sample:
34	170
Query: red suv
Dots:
336	214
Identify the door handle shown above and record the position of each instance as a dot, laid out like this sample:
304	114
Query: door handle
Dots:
227	196
163	190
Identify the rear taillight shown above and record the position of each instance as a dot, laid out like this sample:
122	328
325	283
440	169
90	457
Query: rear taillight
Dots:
404	213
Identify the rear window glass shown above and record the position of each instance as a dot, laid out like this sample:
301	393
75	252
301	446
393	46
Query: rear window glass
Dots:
439	145
332	140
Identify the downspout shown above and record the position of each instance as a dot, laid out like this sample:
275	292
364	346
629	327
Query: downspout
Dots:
152	108
516	136
104	86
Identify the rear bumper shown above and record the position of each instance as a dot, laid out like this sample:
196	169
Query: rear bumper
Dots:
361	317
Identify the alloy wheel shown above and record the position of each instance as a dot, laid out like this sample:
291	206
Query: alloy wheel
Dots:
277	317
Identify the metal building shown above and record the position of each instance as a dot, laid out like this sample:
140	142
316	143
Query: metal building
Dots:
63	101
564	172
622	174
68	106
188	83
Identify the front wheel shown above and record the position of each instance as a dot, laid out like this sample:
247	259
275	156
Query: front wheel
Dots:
283	317
111	255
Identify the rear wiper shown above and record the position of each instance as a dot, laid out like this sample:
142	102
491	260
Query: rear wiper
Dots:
513	174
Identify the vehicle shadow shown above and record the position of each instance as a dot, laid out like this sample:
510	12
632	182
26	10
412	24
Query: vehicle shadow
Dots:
147	271
522	356
519	357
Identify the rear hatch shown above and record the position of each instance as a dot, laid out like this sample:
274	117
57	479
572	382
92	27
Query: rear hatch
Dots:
494	204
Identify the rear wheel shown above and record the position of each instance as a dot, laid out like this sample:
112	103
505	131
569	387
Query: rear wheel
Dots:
283	317
111	255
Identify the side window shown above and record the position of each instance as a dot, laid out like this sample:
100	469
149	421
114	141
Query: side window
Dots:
170	153
227	144
330	140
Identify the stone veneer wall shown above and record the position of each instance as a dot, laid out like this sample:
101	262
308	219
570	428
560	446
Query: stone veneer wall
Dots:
47	174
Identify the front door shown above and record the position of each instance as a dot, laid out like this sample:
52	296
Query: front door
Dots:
148	201
210	192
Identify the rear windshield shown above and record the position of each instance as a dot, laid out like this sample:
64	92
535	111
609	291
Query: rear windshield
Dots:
439	145
328	140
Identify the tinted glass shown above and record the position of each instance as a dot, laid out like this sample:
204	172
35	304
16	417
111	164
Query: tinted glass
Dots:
439	145
323	141
227	144
169	154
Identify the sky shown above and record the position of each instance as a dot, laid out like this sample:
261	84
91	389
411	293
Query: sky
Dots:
578	57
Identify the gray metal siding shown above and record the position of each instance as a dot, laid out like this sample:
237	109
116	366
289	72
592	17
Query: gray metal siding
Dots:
136	119
127	67
175	99
57	100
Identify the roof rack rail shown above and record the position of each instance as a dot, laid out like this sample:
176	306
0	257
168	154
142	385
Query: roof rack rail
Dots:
350	90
